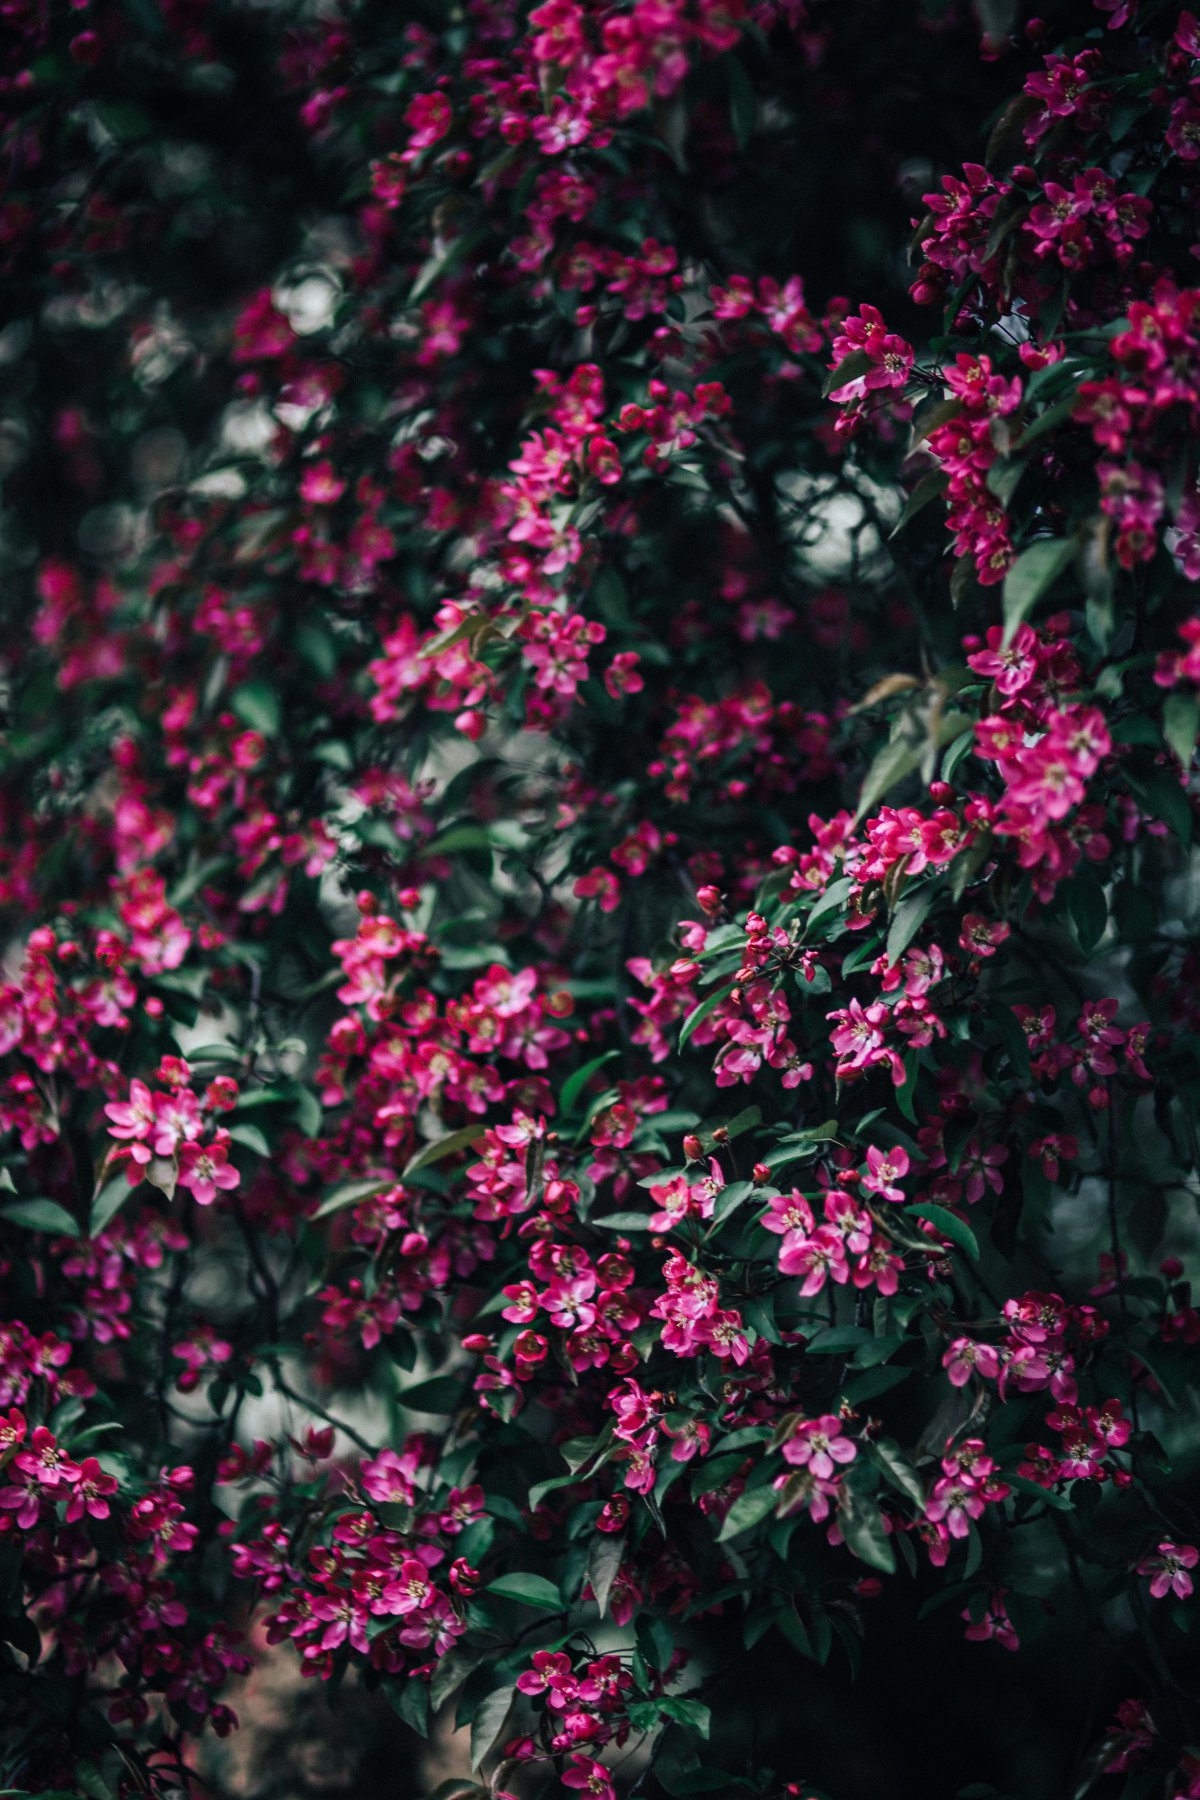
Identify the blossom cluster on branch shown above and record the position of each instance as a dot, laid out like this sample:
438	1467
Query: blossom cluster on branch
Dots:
598	881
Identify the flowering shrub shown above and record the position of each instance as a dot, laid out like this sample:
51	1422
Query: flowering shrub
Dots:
601	1035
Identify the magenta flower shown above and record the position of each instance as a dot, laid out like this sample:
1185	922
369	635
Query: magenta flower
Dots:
820	1445
206	1170
589	1778
1169	1569
885	1169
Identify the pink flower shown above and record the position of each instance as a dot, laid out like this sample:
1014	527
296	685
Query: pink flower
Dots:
205	1170
386	1477
980	936
415	1590
965	1357
132	1120
819	1445
885	1169
90	1493
994	1623
1169	1569
44	1462
955	1500
818	1258
590	1778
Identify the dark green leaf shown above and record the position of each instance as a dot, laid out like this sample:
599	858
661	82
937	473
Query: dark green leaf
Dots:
862	1527
1164	799
257	705
1181	724
447	1146
529	1590
440	1394
487	1727
747	1510
1088	906
41	1215
743	101
1032	575
107	1205
899	1470
574	1085
907	920
928	488
849	369
603	1565
351	1192
897	758
949	1225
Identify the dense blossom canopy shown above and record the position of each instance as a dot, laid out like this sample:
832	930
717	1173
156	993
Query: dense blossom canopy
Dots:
600	1045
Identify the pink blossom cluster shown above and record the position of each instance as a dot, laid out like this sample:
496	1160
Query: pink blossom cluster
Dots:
373	1588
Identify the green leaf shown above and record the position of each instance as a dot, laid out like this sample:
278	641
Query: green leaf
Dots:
527	1590
837	1339
1088	906
931	416
1165	799
949	1224
699	1013
693	1714
1033	573
351	1192
1020	1484
440	1394
799	1145
1181	724
655	1640
896	759
487	1727
731	1196
257	705
743	102
410	1697
125	119
623	1221
583	1457
107	1204
849	369
1015	1041
906	1093
862	1527
442	261
907	920
747	1510
927	489
447	1146
746	1120
1049	419
451	1671
574	1085
872	1382
899	1470
604	1564
830	901
1004	477
41	1215
250	1137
